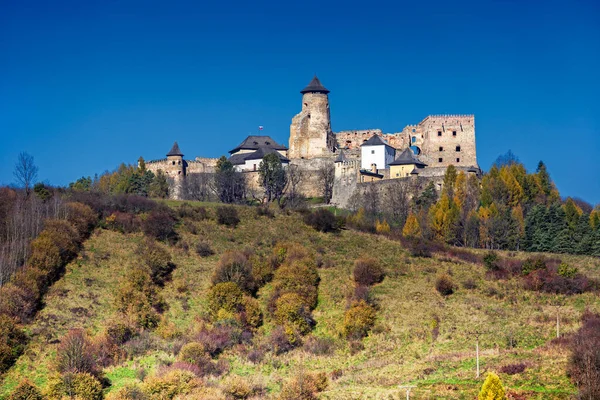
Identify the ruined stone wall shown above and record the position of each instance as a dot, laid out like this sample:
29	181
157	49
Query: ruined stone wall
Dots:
448	140
352	140
310	131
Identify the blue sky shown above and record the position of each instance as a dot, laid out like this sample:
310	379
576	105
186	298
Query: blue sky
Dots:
87	85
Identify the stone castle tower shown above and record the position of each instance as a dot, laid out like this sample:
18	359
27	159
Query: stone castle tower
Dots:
310	131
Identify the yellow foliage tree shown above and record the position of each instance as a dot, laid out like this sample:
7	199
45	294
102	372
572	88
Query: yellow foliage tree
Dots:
382	226
492	388
460	189
443	216
515	189
411	226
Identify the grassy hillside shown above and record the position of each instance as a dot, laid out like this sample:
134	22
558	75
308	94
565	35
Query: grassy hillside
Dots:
420	338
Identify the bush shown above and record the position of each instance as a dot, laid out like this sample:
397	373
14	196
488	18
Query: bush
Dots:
193	353
186	210
304	387
291	311
128	393
513	369
470	284
418	248
382	227
238	388
549	281
82	217
45	254
228	215
567	271
172	384
123	222
137	298
74	385
251	315
533	264
358	320
75	354
490	260
492	388
25	391
65	237
203	249
367	272
12	342
215	340
264	211
584	367
282	341
361	293
119	333
224	296
19	303
235	267
158	259
444	285
298	277
262	270
323	220
160	225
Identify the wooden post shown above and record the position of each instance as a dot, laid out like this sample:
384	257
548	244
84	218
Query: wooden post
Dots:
408	388
557	324
477	351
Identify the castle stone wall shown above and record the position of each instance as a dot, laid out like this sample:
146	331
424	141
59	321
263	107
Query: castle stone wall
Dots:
310	131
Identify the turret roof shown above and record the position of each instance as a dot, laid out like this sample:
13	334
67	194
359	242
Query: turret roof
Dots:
375	140
341	157
175	151
407	157
315	86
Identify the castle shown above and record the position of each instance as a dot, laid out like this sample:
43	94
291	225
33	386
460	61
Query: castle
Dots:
422	151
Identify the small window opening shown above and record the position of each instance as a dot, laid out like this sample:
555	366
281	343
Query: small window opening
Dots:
457	148
173	162
458	160
453	133
439	133
414	129
441	148
372	151
179	162
254	165
413	139
440	159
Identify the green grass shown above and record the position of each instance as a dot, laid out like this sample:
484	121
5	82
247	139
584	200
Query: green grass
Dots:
401	350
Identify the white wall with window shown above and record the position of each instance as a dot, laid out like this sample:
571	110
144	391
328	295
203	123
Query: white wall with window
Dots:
381	155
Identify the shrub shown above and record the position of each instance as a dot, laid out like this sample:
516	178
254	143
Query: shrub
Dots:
567	271
584	367
174	383
119	333
282	341
264	211
224	296
444	285
361	293
203	249
137	298
418	248
25	391
492	388
549	281
82	217
235	267
367	272
358	320
158	259
469	284
298	277
82	386
291	311
256	355
215	340
75	354
262	270
160	225
65	237
12	342
238	388
513	369
323	220
228	215
130	392
123	222
490	260
19	303
251	313
382	227
533	264
186	210
304	387
45	254
193	353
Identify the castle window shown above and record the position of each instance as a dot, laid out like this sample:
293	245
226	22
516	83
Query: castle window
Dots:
179	162
453	133
439	133
372	151
413	139
414	129
441	148
178	172
397	174
254	165
458	160
173	162
440	159
457	148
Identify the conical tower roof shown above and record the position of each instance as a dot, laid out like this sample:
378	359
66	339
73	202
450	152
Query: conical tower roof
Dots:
175	151
315	86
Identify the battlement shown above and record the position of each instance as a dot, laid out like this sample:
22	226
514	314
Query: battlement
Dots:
162	160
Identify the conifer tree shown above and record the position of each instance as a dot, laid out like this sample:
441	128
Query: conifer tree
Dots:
492	388
411	227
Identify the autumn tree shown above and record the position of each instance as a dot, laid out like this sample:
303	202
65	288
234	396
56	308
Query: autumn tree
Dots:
273	178
492	388
25	171
229	183
411	227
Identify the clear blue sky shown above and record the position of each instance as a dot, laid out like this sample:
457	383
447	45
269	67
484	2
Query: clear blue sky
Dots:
85	85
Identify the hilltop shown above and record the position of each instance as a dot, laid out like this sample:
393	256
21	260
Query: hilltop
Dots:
420	337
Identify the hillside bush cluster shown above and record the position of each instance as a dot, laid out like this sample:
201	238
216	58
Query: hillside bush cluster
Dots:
20	298
304	386
584	365
228	215
361	312
324	220
444	285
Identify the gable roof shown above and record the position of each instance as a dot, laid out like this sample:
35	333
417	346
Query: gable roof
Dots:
259	154
315	86
254	142
375	140
407	157
341	157
175	151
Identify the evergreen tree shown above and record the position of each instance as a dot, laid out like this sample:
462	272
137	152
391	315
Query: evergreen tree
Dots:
427	198
230	184
411	227
272	177
160	186
492	388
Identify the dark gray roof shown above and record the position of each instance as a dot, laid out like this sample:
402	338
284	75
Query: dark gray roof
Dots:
407	157
341	157
415	171
259	154
175	151
473	169
370	173
255	142
315	86
375	140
